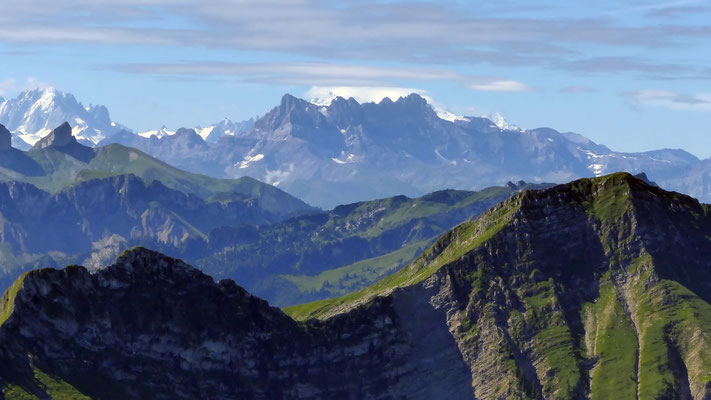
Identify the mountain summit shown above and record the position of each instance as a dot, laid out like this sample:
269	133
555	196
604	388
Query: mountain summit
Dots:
59	137
34	113
593	289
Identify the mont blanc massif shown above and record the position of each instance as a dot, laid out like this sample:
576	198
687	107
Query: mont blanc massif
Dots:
332	249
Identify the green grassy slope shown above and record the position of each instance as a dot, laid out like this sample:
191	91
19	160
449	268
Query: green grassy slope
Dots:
321	255
452	246
62	170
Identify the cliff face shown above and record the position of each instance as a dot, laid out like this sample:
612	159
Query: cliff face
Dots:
594	289
152	327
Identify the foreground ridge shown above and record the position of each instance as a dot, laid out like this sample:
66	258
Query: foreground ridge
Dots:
592	289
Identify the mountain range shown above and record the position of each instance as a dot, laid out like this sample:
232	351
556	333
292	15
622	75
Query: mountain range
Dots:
340	151
593	289
34	113
63	202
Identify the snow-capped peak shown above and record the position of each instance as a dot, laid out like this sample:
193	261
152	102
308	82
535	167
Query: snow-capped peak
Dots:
35	113
162	132
449	116
209	133
324	100
501	122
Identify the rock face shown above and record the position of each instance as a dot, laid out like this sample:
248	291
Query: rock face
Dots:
181	326
5	138
59	137
595	289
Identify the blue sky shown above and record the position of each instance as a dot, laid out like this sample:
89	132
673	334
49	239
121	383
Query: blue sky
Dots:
633	75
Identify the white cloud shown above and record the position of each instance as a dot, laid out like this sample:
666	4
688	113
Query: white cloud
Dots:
313	73
501	86
671	100
362	82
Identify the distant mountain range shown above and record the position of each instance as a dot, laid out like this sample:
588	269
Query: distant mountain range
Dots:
593	289
211	133
34	113
340	151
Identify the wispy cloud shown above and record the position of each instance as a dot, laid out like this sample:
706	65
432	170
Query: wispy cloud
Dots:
501	86
324	74
292	72
606	64
654	7
670	99
428	31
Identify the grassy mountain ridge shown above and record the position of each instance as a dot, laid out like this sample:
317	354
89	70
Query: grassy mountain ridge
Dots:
54	166
593	289
324	254
629	312
93	220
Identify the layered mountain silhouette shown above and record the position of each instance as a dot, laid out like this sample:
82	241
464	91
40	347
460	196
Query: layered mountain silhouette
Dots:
270	242
66	202
327	254
342	152
593	289
58	161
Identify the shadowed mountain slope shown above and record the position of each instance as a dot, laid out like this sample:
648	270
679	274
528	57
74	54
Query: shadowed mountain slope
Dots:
594	289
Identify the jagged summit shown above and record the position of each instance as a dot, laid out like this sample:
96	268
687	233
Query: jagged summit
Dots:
59	137
34	113
142	262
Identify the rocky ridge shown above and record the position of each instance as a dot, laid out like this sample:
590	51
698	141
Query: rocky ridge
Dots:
59	137
594	289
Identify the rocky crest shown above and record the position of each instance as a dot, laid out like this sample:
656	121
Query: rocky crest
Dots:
5	138
594	289
59	137
149	325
